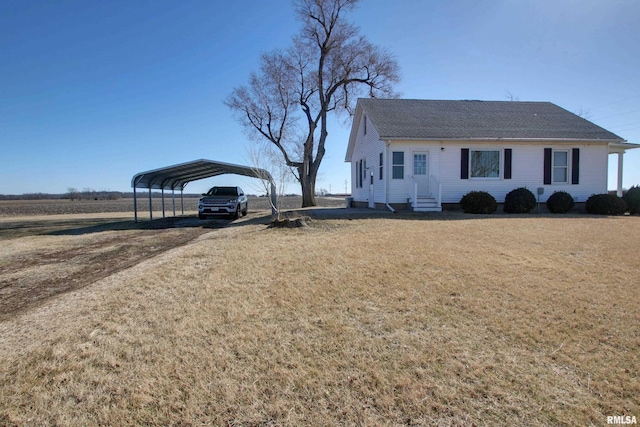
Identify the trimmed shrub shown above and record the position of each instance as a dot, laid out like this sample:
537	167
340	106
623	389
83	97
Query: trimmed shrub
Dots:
478	202
520	200
560	202
606	204
632	199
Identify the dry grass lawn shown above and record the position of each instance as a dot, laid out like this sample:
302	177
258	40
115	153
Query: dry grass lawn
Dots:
448	320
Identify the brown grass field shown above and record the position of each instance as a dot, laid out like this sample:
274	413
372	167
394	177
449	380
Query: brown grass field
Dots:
439	319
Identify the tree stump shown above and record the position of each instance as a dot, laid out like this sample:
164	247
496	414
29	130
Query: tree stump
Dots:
297	222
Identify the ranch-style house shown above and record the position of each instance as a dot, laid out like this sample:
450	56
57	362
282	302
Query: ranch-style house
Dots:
421	154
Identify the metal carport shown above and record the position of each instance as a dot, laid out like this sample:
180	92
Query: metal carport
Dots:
177	177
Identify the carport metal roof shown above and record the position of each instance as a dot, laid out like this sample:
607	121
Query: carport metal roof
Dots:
177	177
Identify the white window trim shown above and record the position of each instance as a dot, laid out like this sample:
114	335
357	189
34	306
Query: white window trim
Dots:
500	164
394	165
567	167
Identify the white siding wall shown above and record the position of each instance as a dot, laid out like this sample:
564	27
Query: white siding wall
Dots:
402	189
368	147
527	170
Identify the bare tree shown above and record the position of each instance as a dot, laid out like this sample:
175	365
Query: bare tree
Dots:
323	72
511	97
262	158
585	113
73	193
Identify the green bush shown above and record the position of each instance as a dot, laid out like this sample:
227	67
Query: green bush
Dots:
560	202
520	200
606	204
632	199
478	202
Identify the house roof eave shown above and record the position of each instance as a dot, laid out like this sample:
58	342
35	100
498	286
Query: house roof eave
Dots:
354	132
492	139
621	147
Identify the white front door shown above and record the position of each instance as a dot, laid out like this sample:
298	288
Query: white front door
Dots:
421	172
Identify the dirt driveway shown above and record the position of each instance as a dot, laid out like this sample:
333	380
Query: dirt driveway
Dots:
44	257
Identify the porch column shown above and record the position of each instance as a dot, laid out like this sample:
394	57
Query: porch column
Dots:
620	162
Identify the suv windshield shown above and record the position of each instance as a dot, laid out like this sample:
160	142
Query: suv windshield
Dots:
223	191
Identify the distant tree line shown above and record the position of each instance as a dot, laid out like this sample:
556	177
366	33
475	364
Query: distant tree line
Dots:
72	194
91	194
32	196
88	194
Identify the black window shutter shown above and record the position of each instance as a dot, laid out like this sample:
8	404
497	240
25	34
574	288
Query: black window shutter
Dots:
507	163
575	166
464	163
547	166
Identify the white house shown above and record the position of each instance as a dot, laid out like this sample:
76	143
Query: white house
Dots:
420	154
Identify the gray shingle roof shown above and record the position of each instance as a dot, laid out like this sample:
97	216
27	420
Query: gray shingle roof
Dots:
434	119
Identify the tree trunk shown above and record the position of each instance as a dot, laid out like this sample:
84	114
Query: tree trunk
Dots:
308	183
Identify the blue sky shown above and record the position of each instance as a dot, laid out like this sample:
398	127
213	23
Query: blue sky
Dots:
93	92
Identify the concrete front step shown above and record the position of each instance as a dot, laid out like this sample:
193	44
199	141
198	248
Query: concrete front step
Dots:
427	205
428	209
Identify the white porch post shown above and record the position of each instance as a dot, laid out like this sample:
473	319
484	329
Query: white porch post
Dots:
620	163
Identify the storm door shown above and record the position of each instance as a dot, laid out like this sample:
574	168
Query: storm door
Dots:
421	172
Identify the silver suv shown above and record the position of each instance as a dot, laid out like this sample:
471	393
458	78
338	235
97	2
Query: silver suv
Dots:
223	201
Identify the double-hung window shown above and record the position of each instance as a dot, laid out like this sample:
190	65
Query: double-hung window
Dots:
484	164
560	167
398	165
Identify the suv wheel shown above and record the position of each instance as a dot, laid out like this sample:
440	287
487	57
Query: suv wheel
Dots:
246	209
236	214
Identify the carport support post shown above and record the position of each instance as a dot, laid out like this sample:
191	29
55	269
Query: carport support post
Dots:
162	191
182	200
173	200
150	205
135	205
